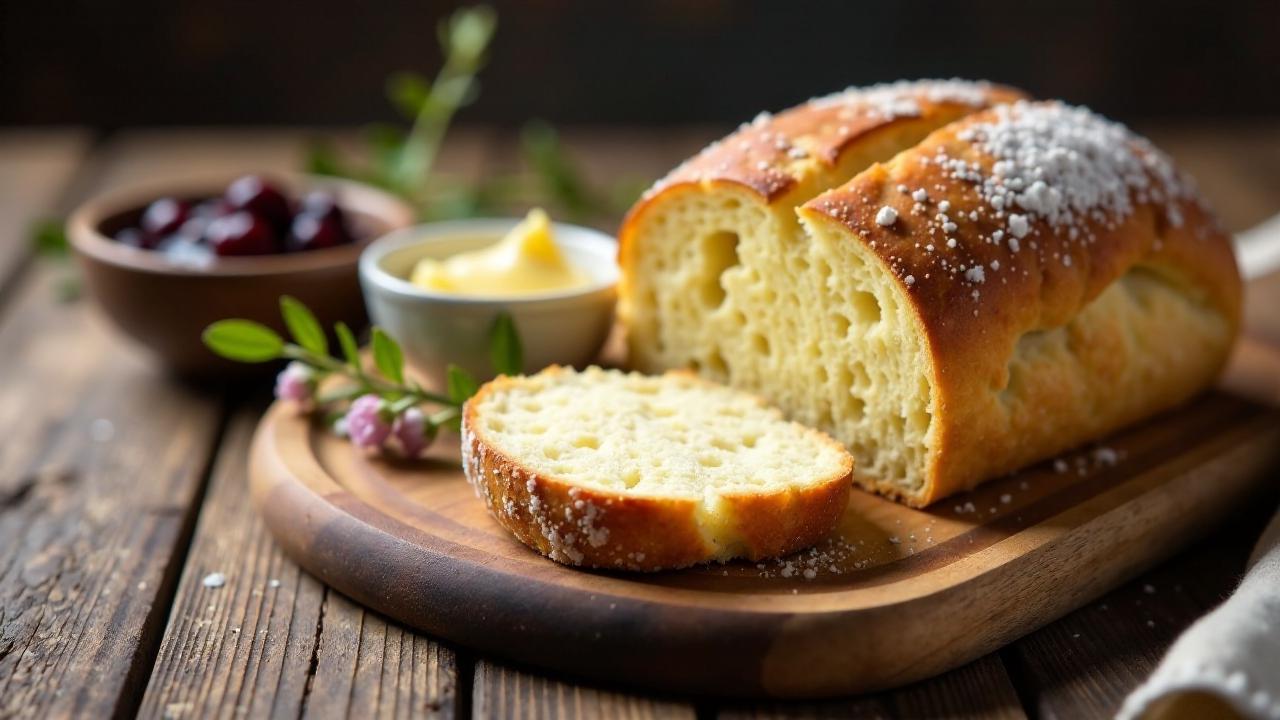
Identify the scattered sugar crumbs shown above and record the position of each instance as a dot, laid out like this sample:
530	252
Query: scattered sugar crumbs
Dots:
837	556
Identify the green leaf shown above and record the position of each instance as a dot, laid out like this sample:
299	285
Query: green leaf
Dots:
461	385
350	349
49	237
304	327
468	32
387	356
243	341
408	91
505	352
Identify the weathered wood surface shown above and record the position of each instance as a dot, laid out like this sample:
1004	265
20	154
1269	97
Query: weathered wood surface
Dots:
101	473
504	692
83	602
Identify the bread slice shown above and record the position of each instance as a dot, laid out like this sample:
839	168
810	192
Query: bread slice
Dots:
607	469
1016	281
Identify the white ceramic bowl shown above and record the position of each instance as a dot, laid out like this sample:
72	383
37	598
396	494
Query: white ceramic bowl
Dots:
436	329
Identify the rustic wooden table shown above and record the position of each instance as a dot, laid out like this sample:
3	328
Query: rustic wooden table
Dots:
121	489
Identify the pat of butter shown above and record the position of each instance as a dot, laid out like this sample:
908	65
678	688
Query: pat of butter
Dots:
524	262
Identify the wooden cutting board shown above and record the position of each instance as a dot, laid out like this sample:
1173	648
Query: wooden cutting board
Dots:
895	596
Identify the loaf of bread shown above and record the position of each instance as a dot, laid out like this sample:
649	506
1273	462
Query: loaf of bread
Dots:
615	470
950	279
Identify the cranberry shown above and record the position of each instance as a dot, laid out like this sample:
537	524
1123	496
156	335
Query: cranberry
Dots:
241	233
164	216
210	209
134	237
312	232
261	198
320	202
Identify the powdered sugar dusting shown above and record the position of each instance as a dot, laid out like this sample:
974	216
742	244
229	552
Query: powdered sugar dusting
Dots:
1067	166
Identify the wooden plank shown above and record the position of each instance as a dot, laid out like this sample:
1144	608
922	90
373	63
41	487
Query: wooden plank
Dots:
36	167
102	462
980	689
274	640
503	692
101	471
97	473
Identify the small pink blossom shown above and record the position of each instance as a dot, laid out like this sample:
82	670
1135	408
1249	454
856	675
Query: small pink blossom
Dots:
296	383
367	424
412	432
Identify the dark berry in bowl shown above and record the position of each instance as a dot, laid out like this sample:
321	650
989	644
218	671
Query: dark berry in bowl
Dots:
313	232
256	195
320	202
164	216
241	233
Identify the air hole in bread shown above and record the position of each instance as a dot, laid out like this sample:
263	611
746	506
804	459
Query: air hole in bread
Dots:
716	364
841	324
587	441
723	444
866	307
857	408
719	253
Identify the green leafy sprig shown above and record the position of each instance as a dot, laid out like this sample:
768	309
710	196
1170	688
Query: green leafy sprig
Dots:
401	160
252	342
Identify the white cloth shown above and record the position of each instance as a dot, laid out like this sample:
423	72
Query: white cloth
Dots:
1232	653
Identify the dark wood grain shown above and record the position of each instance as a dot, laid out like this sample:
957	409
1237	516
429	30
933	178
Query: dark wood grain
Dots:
503	692
981	689
247	646
100	474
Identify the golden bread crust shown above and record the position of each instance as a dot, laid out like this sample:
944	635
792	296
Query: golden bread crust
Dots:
587	527
973	320
773	154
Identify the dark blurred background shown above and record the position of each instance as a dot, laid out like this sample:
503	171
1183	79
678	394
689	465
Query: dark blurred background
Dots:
324	62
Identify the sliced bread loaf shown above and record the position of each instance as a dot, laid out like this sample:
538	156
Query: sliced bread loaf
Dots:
985	282
607	469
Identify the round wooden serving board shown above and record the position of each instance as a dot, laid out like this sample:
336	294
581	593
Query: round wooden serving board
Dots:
896	596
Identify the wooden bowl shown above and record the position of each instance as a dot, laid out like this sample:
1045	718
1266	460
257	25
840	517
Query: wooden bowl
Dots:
166	305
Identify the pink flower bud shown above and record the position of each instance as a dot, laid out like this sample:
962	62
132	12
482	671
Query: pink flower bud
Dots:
367	424
412	432
296	383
